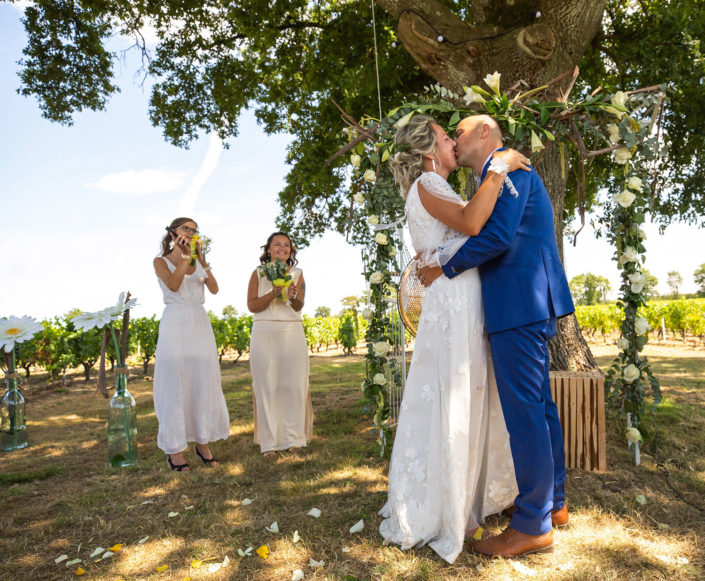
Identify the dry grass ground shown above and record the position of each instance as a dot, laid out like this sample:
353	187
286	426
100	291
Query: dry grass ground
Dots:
60	497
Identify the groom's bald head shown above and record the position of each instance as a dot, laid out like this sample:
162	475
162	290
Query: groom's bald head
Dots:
476	137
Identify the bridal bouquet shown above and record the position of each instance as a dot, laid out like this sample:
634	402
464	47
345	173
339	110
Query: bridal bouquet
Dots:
205	247
277	273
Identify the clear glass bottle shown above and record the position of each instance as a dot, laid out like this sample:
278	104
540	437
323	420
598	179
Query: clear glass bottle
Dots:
122	426
14	428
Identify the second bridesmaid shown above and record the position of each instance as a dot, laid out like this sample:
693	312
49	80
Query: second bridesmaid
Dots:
279	364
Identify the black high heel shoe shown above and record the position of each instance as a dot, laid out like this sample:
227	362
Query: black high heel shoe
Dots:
206	461
177	467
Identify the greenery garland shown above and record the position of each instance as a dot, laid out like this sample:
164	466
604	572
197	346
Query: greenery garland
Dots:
596	124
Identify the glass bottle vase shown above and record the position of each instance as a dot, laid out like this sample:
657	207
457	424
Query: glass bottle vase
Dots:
122	426
14	429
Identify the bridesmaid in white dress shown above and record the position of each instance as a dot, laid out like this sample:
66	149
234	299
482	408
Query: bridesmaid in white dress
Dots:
188	397
451	464
279	355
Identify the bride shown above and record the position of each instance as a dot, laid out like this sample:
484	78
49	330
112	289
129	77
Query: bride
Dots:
451	464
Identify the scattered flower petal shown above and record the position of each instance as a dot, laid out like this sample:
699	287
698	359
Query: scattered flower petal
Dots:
523	569
143	540
681	561
73	562
80	572
226	561
314	512
345	549
214	567
263	551
246	553
98	551
60	559
477	535
107	555
273	528
357	527
148	502
196	564
116	548
190	507
297	575
246	501
314	563
565	566
162	568
172	514
640	499
296	538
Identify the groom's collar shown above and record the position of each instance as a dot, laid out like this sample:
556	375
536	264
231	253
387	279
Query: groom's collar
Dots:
487	162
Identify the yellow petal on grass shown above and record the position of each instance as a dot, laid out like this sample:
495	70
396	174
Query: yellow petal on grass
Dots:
162	568
196	564
263	551
477	535
116	548
80	572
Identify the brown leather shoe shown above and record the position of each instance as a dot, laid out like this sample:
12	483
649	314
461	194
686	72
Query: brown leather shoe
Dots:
559	518
512	543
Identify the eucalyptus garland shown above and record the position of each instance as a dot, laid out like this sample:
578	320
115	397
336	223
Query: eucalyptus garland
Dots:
597	124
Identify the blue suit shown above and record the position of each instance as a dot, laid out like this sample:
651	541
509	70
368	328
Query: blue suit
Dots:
524	290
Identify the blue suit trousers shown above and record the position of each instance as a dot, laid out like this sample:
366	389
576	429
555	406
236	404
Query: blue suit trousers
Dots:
520	359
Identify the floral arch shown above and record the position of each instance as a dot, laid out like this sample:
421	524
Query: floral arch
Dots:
622	125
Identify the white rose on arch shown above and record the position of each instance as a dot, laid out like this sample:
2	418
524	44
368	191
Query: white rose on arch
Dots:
638	280
371	176
622	343
633	435
631	373
373	220
642	234
629	255
381	238
355	160
635	183
614	136
625	198
393	251
641	326
379	379
367	313
381	348
621	156
359	197
376	277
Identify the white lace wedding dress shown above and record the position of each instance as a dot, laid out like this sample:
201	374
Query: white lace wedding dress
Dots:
451	465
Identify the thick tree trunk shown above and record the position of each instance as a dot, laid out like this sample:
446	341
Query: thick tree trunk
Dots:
528	40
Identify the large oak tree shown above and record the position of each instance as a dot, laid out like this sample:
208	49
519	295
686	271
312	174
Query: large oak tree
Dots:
288	59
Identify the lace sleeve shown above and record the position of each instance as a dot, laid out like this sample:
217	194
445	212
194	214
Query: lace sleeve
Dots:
437	186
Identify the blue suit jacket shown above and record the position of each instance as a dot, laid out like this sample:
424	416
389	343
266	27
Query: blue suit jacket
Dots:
523	280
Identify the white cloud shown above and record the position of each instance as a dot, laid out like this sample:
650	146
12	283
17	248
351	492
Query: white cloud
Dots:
141	182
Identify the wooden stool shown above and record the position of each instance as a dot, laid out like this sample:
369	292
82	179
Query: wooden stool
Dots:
580	398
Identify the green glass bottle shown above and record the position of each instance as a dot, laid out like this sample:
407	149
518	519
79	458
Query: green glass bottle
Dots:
14	429
122	426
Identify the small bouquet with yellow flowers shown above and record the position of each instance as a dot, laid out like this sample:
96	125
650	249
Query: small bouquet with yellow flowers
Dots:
277	273
205	247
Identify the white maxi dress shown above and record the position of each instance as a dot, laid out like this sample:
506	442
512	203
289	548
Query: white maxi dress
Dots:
188	397
451	464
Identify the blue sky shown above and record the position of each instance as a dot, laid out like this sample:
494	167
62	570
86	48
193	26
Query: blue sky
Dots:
85	206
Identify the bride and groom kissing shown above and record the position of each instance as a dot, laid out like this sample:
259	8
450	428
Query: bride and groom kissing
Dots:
478	430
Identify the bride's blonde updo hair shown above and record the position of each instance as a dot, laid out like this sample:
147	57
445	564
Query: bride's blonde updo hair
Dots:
417	139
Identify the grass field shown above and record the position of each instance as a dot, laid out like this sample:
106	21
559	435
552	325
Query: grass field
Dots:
60	497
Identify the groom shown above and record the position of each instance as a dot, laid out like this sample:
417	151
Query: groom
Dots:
524	290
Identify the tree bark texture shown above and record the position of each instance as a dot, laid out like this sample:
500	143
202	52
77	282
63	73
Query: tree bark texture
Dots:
524	40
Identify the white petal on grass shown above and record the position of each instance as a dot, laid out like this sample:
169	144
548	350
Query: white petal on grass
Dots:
246	501
189	507
98	551
357	527
296	538
246	553
148	502
226	561
273	528
214	567
314	563
172	514
523	569
107	555
297	575
60	559
73	562
345	549
143	540
314	512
